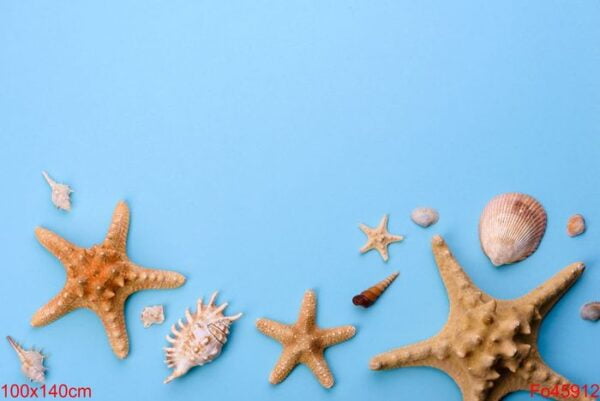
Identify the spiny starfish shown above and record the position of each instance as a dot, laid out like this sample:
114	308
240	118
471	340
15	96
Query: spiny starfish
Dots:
488	346
101	278
304	342
379	238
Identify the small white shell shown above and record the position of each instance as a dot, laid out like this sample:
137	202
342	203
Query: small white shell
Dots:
61	193
32	362
511	227
153	315
575	225
424	216
200	339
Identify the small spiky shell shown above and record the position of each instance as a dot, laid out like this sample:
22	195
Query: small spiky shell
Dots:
200	339
61	193
153	315
372	294
511	227
32	362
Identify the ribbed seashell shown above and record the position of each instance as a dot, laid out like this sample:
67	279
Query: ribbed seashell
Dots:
32	362
575	225
369	296
200	339
590	311
61	193
511	227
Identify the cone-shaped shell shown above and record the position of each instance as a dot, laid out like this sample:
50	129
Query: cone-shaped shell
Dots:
32	362
369	296
511	227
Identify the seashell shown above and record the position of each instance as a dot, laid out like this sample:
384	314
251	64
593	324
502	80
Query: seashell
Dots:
61	193
369	296
200	339
575	225
424	216
590	311
511	227
32	362
153	315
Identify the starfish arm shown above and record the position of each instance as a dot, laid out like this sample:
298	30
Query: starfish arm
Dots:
367	247
286	363
335	335
59	306
540	374
278	331
382	249
152	279
308	310
546	295
114	324
425	353
62	249
318	365
458	285
383	223
119	227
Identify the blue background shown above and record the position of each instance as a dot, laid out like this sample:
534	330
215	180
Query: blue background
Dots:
251	138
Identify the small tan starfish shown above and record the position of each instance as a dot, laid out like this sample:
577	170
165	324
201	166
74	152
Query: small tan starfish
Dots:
488	346
101	278
379	238
304	342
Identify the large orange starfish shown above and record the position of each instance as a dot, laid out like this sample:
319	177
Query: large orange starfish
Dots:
488	346
101	278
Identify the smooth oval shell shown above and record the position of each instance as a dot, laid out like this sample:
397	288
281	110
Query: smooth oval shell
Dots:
511	227
575	225
424	216
591	311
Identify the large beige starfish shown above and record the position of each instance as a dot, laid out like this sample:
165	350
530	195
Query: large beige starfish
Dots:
379	238
488	346
101	278
304	342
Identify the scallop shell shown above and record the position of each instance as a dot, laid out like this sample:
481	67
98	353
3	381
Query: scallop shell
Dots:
153	315
32	362
200	339
511	227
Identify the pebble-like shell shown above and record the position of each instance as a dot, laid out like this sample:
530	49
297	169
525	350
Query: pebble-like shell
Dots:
424	216
200	339
153	315
575	225
511	227
590	311
32	362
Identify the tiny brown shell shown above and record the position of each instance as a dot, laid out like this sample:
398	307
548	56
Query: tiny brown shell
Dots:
575	225
372	294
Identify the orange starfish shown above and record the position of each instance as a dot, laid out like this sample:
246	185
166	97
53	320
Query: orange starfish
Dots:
101	278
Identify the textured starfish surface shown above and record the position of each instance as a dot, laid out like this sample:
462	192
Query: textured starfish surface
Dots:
304	342
488	346
379	238
101	278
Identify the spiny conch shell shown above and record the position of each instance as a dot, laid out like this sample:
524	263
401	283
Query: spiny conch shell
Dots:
424	216
575	225
590	311
153	315
369	296
200	339
32	362
61	193
511	227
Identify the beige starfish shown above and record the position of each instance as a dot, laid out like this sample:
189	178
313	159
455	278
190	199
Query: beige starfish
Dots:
304	342
488	346
379	238
101	278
